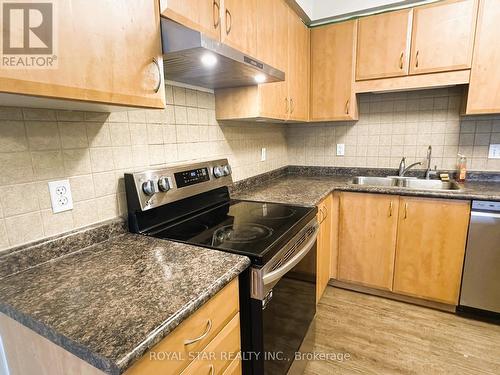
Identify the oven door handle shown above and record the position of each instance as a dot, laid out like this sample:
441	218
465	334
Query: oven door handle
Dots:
280	272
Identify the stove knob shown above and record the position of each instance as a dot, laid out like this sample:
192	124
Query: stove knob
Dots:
218	171
163	184
148	187
226	169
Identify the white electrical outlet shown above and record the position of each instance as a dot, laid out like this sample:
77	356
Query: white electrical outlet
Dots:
340	149
60	196
494	152
263	154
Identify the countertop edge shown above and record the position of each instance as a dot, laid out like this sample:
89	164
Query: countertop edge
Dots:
175	320
117	367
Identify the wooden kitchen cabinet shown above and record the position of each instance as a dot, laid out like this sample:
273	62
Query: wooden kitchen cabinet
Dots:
298	68
333	54
201	15
483	95
239	20
106	57
443	36
217	326
367	238
324	245
383	45
280	101
272	25
430	248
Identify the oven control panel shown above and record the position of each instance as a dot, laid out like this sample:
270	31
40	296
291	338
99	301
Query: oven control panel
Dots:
153	188
191	177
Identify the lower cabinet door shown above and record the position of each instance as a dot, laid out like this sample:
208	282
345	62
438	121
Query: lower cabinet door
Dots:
430	249
324	246
367	239
234	368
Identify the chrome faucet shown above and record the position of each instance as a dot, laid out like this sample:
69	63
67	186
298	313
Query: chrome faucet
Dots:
428	171
403	168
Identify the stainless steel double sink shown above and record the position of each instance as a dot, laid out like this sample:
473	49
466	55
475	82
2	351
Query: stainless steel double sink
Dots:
407	182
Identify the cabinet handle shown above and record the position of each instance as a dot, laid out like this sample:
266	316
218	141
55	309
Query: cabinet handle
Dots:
230	23
326	212
401	60
155	61
406	210
292	107
390	209
216	13
202	336
416	60
320	211
286	105
347	106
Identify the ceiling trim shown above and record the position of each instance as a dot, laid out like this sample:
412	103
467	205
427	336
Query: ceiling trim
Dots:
299	11
360	13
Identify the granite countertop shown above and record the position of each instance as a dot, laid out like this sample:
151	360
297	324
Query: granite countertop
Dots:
309	191
111	302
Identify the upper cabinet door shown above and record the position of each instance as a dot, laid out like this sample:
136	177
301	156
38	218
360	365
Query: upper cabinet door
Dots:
201	15
105	57
443	36
484	95
332	72
298	68
383	45
239	20
272	25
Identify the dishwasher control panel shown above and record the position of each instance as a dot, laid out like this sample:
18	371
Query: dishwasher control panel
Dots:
486	206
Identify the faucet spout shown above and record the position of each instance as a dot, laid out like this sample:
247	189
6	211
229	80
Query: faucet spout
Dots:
403	172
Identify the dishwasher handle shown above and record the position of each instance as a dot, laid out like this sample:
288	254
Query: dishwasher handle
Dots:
485	214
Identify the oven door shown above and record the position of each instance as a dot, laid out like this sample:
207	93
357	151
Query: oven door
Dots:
281	318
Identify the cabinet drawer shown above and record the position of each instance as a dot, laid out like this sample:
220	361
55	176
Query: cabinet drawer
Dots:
172	354
234	368
217	356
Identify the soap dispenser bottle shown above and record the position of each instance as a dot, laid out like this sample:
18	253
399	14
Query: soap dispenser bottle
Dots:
461	168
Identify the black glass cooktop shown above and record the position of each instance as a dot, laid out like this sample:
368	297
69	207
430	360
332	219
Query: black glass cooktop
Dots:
254	229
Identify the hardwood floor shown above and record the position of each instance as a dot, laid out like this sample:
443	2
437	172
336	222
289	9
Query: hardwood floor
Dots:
388	337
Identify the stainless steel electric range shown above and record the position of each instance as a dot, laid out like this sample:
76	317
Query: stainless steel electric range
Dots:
191	203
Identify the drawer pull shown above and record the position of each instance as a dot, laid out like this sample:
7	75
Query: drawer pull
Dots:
202	336
406	210
390	209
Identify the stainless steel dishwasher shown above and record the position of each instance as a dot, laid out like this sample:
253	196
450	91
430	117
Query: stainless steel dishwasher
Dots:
481	276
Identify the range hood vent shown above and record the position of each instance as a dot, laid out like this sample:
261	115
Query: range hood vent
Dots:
193	58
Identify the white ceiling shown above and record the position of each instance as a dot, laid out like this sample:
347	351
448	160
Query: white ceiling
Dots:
320	11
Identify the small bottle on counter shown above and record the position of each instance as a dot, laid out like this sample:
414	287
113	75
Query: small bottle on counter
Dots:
461	168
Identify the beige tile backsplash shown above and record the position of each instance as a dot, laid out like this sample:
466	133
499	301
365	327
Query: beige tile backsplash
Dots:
93	150
394	125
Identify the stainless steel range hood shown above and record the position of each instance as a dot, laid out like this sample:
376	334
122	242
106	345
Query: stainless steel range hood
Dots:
192	57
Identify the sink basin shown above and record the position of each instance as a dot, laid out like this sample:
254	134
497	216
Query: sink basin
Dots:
375	181
403	182
431	184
